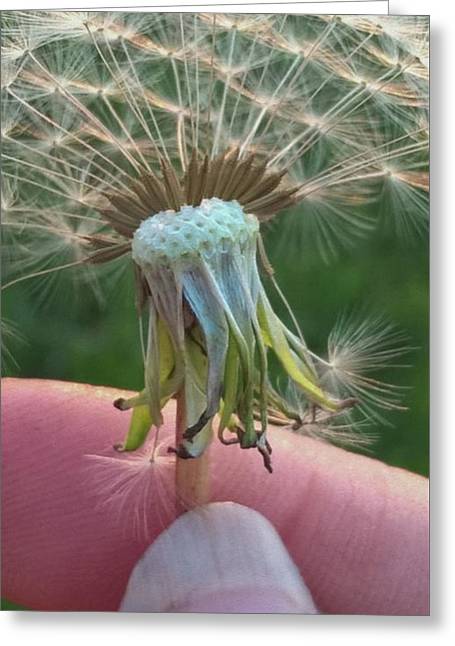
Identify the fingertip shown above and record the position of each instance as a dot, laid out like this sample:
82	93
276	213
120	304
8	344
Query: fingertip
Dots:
223	557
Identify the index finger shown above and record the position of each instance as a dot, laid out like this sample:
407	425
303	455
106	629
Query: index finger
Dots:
356	528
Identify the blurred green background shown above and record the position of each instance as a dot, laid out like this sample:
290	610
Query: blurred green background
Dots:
68	334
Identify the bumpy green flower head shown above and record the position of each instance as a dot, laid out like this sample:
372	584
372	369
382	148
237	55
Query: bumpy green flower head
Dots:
193	232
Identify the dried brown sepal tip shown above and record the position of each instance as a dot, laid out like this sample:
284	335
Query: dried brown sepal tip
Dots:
347	403
259	190
265	450
181	452
120	404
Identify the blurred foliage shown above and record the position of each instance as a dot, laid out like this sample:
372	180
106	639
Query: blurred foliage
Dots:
8	605
70	335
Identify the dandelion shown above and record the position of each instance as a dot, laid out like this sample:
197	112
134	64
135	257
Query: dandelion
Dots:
126	483
167	141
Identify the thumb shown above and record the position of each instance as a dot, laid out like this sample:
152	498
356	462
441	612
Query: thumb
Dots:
223	557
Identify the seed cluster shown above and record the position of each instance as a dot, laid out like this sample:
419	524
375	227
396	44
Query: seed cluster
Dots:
169	237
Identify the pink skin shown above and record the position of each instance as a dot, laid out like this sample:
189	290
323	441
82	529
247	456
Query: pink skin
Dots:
356	528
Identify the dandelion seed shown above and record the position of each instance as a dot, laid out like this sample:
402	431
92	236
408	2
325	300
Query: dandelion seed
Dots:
356	352
139	491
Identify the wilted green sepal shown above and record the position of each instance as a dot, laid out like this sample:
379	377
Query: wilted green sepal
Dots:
275	338
140	425
147	410
231	377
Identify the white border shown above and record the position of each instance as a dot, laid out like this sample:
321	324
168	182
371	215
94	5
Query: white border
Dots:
320	6
72	629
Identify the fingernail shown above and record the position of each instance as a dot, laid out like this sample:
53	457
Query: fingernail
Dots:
222	557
